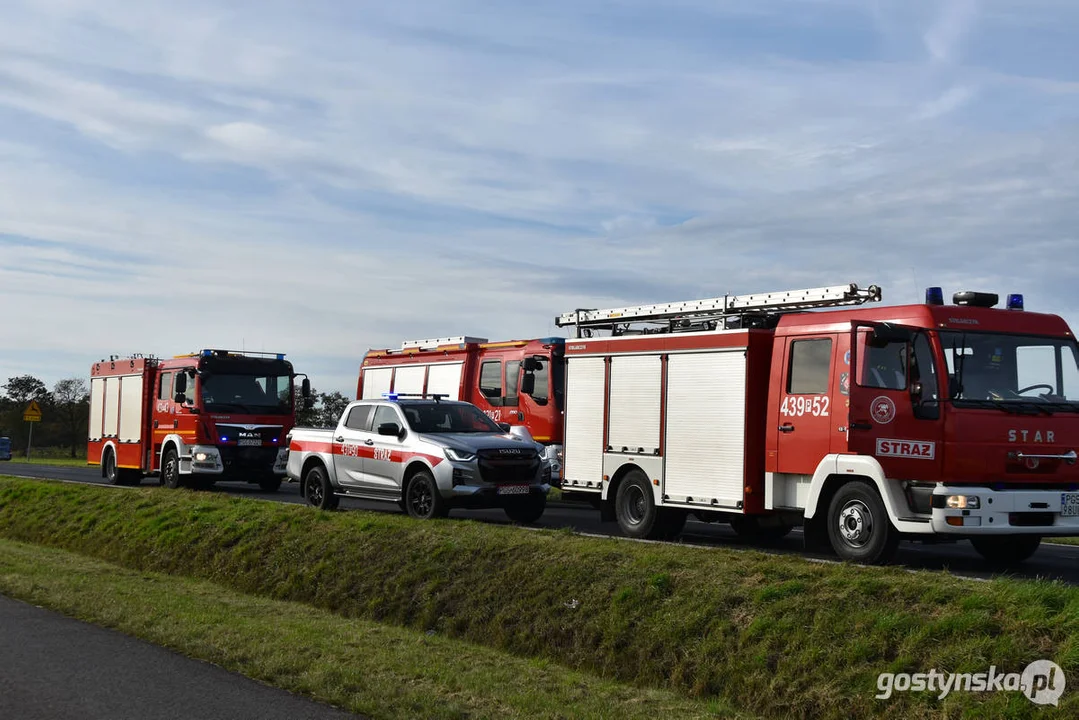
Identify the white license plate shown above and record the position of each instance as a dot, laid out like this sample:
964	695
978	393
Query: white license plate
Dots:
256	442
1069	504
512	489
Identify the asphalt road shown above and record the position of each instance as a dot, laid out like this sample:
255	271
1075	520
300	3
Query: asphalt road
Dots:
1057	562
56	668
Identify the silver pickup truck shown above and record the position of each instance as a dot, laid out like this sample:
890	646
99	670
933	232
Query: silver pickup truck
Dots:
428	455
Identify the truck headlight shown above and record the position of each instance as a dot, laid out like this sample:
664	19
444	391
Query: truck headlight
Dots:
962	502
202	457
460	455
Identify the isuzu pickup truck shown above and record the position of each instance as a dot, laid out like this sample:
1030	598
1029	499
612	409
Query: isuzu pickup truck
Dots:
426	454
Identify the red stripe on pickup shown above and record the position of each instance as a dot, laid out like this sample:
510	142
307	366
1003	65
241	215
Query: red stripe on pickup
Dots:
360	450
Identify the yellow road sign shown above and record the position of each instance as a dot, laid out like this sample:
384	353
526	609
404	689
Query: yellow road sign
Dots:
32	413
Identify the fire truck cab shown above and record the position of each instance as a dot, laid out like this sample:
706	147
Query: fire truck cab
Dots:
518	382
193	419
863	425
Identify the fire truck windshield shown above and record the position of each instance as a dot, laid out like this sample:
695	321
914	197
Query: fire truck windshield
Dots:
246	393
435	417
1016	373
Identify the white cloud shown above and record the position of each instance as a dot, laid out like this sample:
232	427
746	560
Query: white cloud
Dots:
323	178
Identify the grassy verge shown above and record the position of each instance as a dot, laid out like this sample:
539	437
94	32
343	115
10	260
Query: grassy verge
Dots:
53	461
367	668
1063	540
769	634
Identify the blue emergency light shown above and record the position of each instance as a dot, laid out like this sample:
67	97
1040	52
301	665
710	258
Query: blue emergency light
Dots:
934	296
1015	301
390	396
280	356
207	353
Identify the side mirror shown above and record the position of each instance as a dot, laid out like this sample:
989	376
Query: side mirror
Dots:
532	364
528	384
180	398
181	384
390	429
305	388
916	390
505	427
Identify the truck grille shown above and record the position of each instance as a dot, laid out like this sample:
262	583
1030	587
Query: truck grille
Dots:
500	468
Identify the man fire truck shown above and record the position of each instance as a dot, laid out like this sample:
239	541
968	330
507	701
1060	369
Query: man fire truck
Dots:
519	382
864	425
193	419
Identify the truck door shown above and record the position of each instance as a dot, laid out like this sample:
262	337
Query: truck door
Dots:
805	411
351	445
895	402
385	461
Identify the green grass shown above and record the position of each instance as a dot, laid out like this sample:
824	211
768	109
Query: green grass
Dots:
51	461
364	667
1062	540
773	635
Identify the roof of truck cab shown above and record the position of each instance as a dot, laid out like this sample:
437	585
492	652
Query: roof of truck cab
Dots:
939	317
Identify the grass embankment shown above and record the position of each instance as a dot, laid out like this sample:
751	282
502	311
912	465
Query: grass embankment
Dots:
772	635
364	667
53	461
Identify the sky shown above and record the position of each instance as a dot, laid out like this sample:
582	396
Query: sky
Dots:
322	177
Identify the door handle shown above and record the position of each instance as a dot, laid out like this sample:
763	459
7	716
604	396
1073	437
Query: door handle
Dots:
340	438
368	442
786	428
860	426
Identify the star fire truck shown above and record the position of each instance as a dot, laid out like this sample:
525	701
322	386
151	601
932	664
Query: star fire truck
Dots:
518	382
193	419
864	425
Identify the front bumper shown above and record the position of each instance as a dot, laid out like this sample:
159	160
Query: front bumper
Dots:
1004	512
240	463
462	485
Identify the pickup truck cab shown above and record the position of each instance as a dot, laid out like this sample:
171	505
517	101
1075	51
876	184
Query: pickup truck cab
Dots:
426	454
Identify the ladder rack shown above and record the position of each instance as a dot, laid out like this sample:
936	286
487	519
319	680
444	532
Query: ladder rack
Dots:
713	313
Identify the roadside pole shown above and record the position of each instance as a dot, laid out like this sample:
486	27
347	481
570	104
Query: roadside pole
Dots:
31	415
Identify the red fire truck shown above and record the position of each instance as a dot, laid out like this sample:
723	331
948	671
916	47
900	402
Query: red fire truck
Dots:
863	425
519	382
193	419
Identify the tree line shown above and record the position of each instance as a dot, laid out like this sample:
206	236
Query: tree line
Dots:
65	413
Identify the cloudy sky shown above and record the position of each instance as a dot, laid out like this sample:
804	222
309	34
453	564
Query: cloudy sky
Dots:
321	177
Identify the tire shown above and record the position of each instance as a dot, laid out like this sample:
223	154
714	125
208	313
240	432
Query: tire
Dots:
527	511
752	527
317	489
858	526
170	470
1006	550
423	501
270	485
635	508
109	470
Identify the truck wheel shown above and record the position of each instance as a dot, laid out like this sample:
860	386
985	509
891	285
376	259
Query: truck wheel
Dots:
170	469
752	527
109	469
858	525
527	511
317	489
423	501
270	484
1006	550
635	508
